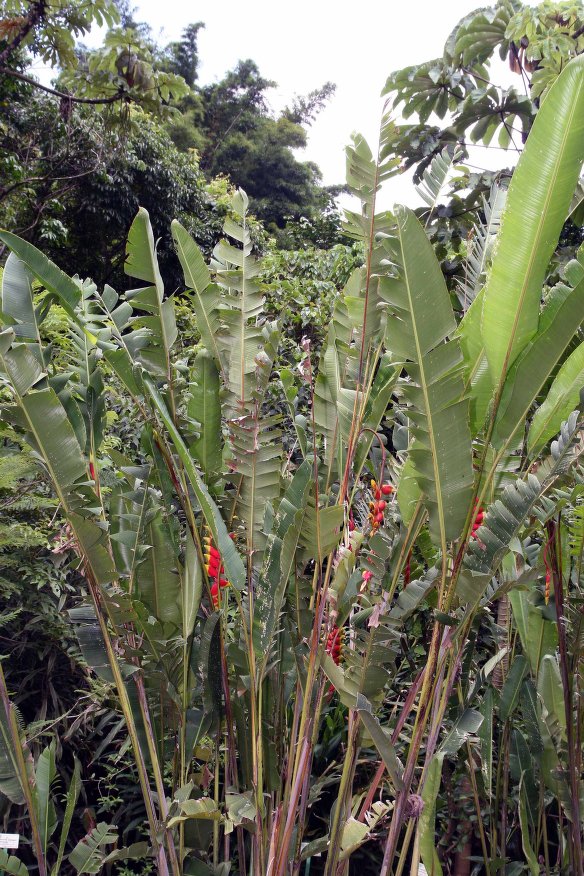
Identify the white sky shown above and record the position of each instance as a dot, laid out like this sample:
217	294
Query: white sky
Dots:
303	44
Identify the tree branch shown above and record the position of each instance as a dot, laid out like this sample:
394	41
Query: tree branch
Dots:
94	101
35	15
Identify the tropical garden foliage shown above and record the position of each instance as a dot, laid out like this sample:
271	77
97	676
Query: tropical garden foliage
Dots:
315	518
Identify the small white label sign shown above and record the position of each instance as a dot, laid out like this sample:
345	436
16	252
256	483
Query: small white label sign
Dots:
9	840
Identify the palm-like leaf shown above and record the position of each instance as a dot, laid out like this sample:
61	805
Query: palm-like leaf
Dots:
507	514
537	204
560	319
563	396
416	335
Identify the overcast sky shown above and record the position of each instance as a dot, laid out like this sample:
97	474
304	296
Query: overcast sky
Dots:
303	44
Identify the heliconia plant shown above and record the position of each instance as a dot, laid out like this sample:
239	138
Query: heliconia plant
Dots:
250	555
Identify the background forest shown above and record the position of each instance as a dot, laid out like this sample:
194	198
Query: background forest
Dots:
290	555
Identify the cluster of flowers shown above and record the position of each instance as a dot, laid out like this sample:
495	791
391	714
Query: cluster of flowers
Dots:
378	506
478	521
214	568
334	644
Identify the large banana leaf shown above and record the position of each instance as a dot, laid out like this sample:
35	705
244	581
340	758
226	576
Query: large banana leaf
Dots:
204	407
207	299
416	334
88	855
159	323
563	397
232	561
528	374
17	298
53	278
279	559
46	773
537	204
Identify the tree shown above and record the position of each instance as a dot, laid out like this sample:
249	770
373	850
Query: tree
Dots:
120	73
183	57
243	140
455	91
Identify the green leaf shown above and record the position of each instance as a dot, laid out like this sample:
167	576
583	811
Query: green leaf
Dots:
279	558
486	737
154	334
11	865
197	276
530	855
11	778
505	517
52	278
427	820
533	366
382	741
539	635
441	448
232	561
72	795
88	856
551	692
512	687
204	407
45	775
562	398
537	204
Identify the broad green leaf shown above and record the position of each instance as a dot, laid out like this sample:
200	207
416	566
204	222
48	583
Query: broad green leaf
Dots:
232	561
11	865
192	588
562	398
88	855
197	276
72	795
17	297
441	449
512	687
382	741
279	558
537	204
427	821
11	778
533	366
204	407
539	635
530	855
55	280
477	379
551	691
141	262
45	775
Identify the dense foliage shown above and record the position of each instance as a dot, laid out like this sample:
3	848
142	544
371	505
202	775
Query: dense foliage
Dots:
291	545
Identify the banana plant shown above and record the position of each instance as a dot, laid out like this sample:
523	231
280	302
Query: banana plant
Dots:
250	561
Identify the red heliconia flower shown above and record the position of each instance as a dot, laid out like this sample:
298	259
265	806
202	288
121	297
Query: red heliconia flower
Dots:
334	644
477	522
214	568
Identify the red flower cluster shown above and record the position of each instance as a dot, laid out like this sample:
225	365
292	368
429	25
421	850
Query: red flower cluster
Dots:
478	521
334	644
377	507
214	568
